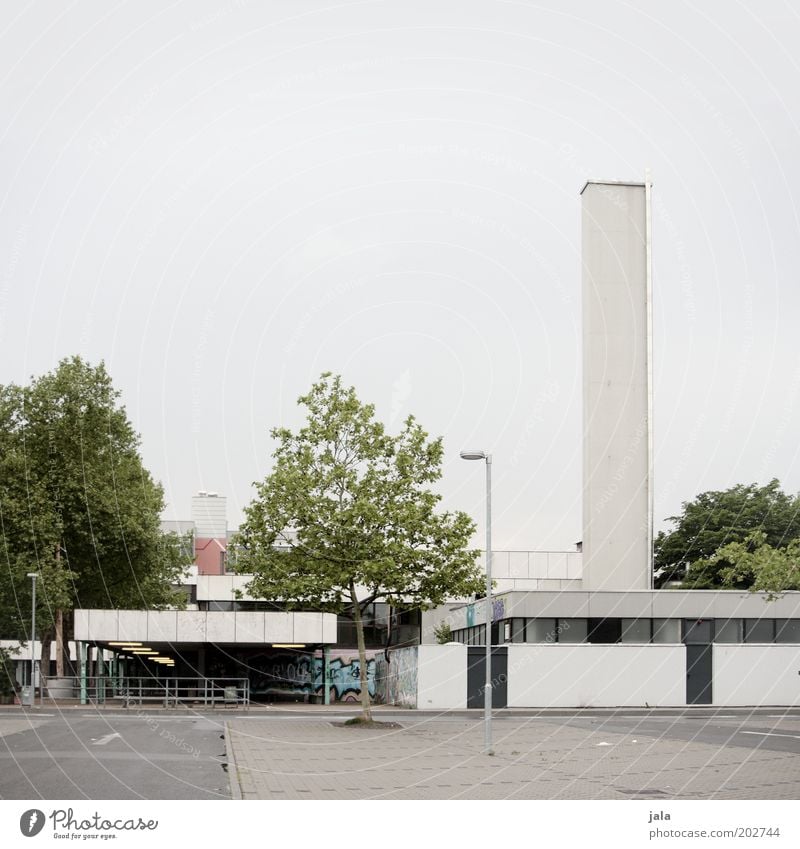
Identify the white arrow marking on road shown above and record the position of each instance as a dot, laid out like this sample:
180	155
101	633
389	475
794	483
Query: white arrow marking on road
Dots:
107	739
771	734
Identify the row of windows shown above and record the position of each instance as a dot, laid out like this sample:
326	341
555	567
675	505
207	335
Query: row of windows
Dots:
614	630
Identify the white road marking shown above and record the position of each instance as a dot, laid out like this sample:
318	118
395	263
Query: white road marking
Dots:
107	739
771	734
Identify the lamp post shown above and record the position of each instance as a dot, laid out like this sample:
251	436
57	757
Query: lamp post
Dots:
33	576
487	693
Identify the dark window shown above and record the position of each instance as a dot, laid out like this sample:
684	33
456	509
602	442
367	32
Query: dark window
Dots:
759	630
518	631
697	631
571	630
728	631
787	630
540	631
604	631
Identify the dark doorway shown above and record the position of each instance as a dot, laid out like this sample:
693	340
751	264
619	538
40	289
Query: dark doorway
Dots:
698	674
476	676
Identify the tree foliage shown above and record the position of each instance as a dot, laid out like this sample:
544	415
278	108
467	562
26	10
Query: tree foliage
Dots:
713	521
346	517
76	503
756	564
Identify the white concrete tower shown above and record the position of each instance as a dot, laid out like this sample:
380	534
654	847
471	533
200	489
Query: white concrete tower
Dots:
617	405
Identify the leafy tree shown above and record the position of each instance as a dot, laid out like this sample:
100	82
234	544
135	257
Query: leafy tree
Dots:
8	679
715	519
76	504
443	633
349	508
756	564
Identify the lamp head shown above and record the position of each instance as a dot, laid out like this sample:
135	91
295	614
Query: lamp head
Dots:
473	455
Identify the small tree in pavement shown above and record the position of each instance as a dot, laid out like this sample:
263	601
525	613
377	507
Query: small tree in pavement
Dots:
346	518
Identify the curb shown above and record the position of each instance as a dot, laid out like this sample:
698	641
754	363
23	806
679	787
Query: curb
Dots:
233	767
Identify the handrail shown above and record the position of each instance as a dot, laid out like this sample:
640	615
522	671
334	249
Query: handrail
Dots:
172	691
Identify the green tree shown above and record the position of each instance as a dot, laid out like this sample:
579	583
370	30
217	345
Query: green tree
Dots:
77	505
756	564
351	508
715	519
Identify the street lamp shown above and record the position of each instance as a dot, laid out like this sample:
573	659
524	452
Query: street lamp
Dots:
33	576
487	693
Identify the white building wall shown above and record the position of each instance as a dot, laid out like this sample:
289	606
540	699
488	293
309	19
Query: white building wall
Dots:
209	514
442	677
616	451
596	675
756	674
192	626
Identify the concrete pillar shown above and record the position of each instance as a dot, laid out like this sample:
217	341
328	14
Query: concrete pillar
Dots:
617	486
82	649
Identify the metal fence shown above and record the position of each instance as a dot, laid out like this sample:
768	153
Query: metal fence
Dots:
208	692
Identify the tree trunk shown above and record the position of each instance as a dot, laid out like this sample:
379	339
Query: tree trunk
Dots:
59	643
44	660
362	655
59	627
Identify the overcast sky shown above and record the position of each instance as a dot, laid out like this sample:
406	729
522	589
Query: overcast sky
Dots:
222	200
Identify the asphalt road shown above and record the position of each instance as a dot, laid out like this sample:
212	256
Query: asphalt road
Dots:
86	753
76	755
775	732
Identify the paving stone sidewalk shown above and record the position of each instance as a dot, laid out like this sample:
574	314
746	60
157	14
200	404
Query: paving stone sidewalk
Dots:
534	759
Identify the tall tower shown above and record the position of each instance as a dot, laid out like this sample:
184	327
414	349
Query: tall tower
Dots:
617	398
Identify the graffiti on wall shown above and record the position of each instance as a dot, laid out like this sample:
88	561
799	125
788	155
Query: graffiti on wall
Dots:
344	675
498	609
294	674
397	677
287	673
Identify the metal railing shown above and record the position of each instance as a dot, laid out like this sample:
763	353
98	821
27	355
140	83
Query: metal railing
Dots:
208	692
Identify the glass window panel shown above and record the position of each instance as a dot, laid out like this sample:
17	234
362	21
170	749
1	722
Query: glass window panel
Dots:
666	630
604	630
697	631
759	630
728	631
518	631
541	630
635	630
572	630
787	630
